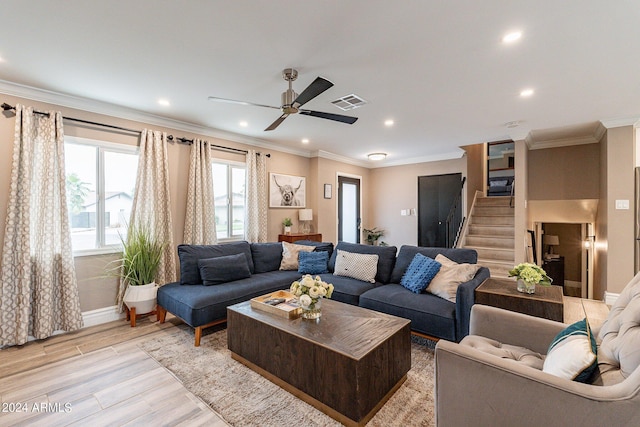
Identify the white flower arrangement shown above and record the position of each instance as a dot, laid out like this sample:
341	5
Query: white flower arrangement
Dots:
309	290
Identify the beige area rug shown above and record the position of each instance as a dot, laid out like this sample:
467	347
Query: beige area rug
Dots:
245	398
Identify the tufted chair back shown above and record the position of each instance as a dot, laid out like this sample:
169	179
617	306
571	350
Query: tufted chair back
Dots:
619	337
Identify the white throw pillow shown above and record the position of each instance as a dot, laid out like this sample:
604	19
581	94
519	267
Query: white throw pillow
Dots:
573	353
451	275
357	266
290	253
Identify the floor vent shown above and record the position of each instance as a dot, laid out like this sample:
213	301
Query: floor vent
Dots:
349	102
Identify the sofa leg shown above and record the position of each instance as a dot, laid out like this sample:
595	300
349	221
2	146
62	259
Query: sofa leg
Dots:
161	313
198	335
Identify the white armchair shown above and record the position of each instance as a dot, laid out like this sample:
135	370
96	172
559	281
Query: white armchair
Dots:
494	378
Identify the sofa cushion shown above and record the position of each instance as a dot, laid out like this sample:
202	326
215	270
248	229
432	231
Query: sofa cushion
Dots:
450	276
428	314
406	254
504	351
386	258
357	266
290	253
313	262
266	256
190	254
319	246
215	271
619	335
420	273
199	305
347	289
572	353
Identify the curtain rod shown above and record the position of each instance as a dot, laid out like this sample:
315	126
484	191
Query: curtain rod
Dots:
187	141
7	107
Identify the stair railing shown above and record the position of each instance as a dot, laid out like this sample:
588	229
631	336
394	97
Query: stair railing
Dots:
465	227
513	187
455	219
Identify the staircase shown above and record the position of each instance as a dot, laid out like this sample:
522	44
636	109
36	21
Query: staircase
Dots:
490	232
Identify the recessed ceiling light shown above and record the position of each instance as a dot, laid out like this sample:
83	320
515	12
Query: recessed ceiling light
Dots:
305	140
389	123
164	102
526	93
377	156
512	37
244	124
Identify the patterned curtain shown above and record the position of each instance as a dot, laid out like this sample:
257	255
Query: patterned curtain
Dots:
200	221
256	212
152	202
39	292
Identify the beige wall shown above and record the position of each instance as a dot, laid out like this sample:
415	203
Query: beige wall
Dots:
620	224
95	290
521	198
600	256
564	173
476	170
395	188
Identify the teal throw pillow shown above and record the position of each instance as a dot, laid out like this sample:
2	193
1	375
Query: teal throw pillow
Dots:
313	262
572	353
420	273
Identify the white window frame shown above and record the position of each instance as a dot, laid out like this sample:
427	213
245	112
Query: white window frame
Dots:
229	164
101	147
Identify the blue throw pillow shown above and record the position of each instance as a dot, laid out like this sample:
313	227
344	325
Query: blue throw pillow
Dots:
313	262
223	269
420	273
573	353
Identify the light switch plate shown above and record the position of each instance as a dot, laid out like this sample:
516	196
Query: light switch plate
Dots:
622	204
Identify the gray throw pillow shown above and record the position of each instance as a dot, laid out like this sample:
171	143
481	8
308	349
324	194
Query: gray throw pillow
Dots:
215	271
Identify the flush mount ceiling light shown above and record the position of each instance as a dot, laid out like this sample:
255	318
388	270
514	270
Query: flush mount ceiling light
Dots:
512	37
377	156
526	93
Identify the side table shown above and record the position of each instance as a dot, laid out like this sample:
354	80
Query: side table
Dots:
294	237
547	302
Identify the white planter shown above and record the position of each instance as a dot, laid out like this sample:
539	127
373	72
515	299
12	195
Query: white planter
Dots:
287	229
143	298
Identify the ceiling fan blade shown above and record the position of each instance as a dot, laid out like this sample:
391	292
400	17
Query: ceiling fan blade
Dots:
275	124
330	116
233	101
316	87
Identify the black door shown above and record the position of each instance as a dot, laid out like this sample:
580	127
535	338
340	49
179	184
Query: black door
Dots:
436	194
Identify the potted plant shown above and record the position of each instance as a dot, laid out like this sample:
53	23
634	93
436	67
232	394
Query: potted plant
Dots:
528	275
372	235
287	223
141	253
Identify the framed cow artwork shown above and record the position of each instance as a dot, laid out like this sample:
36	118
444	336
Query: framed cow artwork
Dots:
287	191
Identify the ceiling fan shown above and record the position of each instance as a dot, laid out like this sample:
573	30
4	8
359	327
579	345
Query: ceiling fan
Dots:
291	101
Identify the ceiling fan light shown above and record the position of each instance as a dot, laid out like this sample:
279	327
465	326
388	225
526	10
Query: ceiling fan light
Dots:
377	156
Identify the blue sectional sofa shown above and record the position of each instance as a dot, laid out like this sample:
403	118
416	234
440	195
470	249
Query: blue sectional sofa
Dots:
250	270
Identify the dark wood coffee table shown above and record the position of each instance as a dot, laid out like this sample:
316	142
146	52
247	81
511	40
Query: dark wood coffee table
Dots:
547	302
347	364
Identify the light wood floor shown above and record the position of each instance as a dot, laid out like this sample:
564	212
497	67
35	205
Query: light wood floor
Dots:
96	376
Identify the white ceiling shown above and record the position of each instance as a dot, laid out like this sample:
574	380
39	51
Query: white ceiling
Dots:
438	68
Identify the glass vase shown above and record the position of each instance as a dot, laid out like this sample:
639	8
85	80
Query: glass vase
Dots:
313	311
526	287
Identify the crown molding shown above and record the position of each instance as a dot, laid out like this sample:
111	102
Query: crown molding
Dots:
451	155
338	158
113	110
592	138
619	122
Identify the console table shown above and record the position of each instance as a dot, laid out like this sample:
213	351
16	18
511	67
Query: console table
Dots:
294	237
547	302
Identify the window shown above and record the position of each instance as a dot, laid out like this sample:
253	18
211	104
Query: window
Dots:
229	194
101	179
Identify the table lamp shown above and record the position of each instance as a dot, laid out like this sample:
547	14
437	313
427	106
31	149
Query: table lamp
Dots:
551	240
305	215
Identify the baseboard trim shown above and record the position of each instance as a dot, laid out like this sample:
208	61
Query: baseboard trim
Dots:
102	315
610	298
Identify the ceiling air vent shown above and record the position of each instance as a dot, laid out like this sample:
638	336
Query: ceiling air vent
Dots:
349	102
